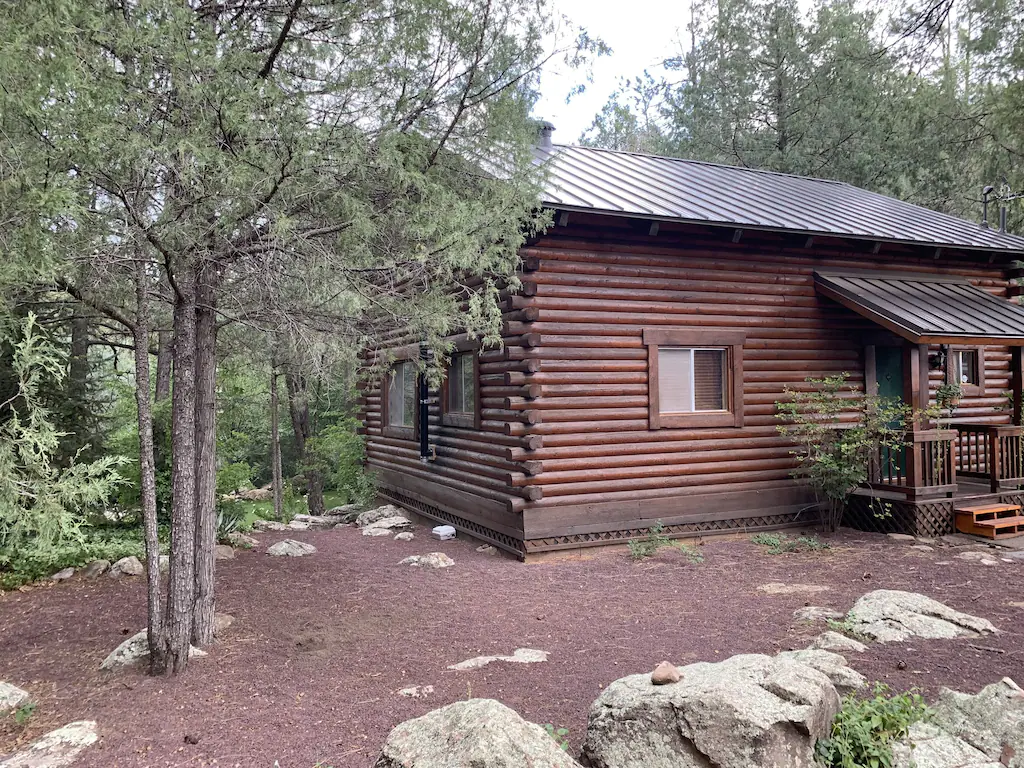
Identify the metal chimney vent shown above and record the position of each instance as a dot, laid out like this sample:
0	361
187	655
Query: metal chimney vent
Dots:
544	135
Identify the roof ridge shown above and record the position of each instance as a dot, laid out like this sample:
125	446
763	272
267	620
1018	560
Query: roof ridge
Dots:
703	162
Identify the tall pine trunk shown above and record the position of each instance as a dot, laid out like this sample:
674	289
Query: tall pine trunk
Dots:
275	445
206	455
147	471
298	407
181	587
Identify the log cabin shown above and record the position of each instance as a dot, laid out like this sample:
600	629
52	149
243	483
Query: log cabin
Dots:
660	319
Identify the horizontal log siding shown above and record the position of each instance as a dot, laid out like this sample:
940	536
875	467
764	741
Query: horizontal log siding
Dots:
600	466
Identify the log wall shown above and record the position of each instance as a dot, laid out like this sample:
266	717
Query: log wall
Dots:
565	457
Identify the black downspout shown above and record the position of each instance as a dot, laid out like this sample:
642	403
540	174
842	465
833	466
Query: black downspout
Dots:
424	414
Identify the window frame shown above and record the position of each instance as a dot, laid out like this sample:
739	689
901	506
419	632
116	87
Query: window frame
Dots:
460	419
731	341
969	389
400	432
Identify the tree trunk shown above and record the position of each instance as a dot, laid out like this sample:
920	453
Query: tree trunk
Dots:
181	589
298	407
164	352
275	446
147	472
206	455
77	411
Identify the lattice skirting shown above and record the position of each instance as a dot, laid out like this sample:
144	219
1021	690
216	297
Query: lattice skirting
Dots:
497	538
681	530
930	518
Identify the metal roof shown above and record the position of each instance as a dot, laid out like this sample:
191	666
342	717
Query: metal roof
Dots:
926	309
664	188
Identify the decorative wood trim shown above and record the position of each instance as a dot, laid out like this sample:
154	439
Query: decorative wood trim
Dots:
870	371
703	337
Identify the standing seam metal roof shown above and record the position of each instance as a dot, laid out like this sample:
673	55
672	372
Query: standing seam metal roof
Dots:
648	186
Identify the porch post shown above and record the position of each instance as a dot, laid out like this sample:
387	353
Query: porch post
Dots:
915	395
1016	383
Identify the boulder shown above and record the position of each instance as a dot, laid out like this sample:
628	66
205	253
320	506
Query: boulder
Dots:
269	525
127	566
405	536
429	560
257	494
832	665
889	615
223	552
342	510
242	541
747	711
487	549
136	648
63	575
388	524
380	513
833	641
221	621
319	521
928	746
478	733
11	697
816	613
290	548
56	749
95	568
902	537
990	721
298	525
519	656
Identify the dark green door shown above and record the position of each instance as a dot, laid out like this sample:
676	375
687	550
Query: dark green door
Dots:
889	371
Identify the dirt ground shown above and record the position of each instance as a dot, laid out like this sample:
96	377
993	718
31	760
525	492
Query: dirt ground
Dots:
309	674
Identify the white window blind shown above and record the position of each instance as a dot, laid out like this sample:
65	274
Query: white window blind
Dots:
966	363
402	396
692	380
462	384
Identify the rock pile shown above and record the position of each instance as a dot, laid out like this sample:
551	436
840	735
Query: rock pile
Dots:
429	560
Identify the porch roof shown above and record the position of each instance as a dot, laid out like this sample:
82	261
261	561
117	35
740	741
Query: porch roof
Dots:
926	309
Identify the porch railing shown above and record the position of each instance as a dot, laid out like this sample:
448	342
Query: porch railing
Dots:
992	452
924	466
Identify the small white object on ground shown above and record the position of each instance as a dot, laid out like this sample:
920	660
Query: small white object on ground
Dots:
404	536
56	749
519	656
443	532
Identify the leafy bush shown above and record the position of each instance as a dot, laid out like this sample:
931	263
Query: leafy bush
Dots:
839	431
233	476
780	543
864	730
338	453
25	565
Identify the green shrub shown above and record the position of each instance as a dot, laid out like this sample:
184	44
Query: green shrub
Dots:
111	543
641	549
779	543
864	730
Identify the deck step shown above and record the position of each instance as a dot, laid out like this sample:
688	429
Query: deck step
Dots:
1001	522
985	509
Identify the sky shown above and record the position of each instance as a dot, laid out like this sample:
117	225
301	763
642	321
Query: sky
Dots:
641	33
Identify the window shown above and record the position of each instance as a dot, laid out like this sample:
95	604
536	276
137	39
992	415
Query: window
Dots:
402	396
695	378
968	369
460	391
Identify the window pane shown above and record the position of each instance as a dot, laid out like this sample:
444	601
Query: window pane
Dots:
967	367
455	385
709	378
675	380
468	384
395	389
409	395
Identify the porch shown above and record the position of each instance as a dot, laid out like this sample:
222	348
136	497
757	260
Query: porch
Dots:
925	326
